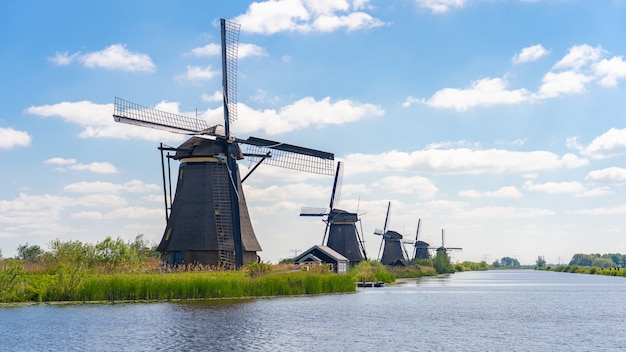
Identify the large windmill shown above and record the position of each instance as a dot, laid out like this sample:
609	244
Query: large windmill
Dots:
341	229
391	244
209	221
420	248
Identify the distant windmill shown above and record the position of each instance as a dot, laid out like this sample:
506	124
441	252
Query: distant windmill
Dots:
420	248
443	246
209	221
391	244
341	229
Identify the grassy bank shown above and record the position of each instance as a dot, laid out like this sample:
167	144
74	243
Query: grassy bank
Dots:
593	270
16	285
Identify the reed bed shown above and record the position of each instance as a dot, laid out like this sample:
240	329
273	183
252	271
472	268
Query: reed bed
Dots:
173	286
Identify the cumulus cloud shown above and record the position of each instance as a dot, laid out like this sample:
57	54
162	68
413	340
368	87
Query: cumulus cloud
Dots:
197	73
440	6
71	164
484	92
133	186
502	192
572	74
531	53
304	113
417	185
610	144
10	138
572	187
462	161
615	175
244	50
113	57
97	120
270	17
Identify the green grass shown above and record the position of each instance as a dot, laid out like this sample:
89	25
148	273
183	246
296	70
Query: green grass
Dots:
85	287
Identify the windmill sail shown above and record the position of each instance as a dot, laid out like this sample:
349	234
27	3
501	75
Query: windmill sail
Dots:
341	230
209	221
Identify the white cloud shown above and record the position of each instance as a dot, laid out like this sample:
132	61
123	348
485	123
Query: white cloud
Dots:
503	213
555	187
502	192
133	186
10	138
304	113
60	161
418	185
71	164
578	57
484	92
616	210
609	144
271	17
461	161
531	53
243	50
439	6
216	96
97	121
573	187
113	57
610	71
196	73
616	175
567	82
570	75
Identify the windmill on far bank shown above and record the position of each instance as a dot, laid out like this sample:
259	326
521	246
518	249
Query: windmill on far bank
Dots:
208	222
420	248
443	246
341	229
391	245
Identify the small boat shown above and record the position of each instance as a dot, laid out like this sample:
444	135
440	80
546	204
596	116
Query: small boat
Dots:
370	284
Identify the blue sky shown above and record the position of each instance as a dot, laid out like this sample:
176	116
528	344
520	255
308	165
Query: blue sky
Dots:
501	121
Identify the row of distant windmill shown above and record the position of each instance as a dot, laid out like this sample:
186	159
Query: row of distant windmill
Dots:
343	236
207	218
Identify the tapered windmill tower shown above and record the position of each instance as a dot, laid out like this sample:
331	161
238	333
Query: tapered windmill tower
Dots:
420	248
341	230
208	222
391	245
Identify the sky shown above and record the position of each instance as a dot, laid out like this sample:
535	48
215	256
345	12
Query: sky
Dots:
500	121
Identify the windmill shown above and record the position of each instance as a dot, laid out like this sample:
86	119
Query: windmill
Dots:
443	247
343	235
391	245
420	248
208	222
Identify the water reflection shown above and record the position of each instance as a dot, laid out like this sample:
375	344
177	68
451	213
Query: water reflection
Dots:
472	311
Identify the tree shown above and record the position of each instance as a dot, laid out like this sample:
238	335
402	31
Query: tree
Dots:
508	261
28	253
496	264
442	263
541	262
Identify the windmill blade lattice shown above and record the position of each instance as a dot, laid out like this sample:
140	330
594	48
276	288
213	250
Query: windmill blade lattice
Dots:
139	115
230	38
289	156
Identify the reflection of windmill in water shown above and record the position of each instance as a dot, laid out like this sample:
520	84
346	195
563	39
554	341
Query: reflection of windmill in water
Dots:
420	248
341	229
208	222
391	245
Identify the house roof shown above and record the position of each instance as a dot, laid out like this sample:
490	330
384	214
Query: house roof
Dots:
323	249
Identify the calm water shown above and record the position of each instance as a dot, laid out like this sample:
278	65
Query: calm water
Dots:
520	310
